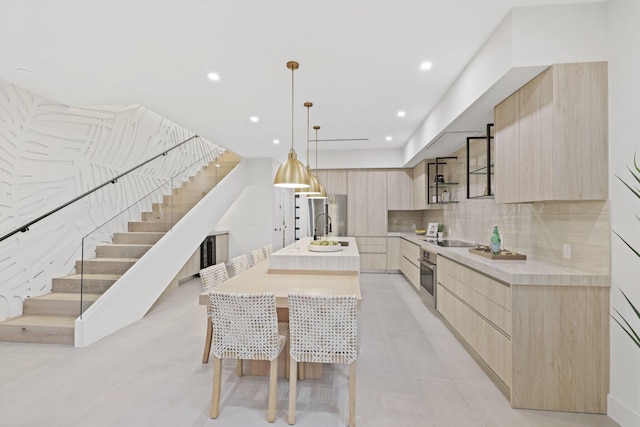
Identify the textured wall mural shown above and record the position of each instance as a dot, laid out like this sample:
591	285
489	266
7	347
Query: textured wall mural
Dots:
49	154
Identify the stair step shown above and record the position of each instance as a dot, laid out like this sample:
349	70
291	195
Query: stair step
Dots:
141	237
59	303
164	214
155	226
122	250
46	329
91	283
105	265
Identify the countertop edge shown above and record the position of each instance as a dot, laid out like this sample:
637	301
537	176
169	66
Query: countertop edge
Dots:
529	272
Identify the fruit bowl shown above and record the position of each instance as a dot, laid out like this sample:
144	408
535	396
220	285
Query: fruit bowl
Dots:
421	232
324	246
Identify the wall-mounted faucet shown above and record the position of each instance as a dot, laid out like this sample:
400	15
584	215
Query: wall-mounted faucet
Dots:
327	227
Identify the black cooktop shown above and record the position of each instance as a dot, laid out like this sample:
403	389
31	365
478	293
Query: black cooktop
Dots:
450	243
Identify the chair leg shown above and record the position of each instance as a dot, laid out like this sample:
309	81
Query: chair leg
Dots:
207	342
273	390
239	368
301	369
292	390
352	394
217	381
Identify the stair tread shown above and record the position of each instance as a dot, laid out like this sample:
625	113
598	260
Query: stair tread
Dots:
142	232
111	259
127	244
68	296
93	276
48	320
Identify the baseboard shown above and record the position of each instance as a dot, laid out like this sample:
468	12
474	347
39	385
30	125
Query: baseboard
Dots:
621	413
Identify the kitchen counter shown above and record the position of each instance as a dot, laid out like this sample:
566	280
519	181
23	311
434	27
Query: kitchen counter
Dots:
297	258
527	272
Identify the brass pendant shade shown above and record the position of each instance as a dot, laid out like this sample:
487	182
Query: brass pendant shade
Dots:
322	191
314	187
322	195
292	173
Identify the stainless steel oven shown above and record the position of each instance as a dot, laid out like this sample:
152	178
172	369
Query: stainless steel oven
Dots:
428	275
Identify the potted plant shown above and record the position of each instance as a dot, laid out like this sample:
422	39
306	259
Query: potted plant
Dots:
620	320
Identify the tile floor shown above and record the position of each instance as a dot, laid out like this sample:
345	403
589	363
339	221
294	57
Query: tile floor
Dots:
411	372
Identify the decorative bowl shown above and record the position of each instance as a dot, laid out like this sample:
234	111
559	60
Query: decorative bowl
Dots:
421	232
319	248
324	245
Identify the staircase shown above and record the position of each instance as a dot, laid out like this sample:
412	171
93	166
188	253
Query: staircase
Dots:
50	318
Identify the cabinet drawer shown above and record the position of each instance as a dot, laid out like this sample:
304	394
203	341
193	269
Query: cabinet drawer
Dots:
373	262
495	291
410	251
490	344
410	271
372	244
487	308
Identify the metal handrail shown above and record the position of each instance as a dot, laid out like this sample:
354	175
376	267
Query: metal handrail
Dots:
24	228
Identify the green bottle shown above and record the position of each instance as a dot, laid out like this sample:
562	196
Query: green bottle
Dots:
495	241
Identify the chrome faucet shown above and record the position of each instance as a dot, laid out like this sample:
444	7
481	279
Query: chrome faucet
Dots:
327	227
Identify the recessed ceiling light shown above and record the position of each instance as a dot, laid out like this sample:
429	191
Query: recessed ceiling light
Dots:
426	65
401	113
388	138
254	119
276	141
213	76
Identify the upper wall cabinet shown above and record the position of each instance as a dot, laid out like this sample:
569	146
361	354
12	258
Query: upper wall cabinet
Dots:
419	186
399	189
551	137
334	181
367	202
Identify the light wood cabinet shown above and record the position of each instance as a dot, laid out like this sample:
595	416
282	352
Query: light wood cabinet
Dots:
373	254
367	203
419	186
409	264
393	254
399	189
548	344
334	180
551	137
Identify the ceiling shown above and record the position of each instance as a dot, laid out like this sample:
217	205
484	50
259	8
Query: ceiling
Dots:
359	62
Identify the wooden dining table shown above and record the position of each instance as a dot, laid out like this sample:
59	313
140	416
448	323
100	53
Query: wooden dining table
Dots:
257	279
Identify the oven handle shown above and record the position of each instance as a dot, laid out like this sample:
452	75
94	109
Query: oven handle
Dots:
426	263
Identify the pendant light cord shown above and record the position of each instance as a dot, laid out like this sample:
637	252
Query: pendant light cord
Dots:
292	100
316	128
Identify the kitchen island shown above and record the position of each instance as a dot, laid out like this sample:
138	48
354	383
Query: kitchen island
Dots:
298	259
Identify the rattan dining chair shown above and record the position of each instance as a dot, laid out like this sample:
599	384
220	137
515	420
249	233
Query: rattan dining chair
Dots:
239	264
245	326
268	249
257	256
323	329
210	277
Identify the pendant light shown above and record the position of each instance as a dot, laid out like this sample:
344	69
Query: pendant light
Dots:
292	174
323	192
315	184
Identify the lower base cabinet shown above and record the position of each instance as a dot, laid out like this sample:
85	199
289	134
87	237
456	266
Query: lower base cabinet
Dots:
409	264
548	344
373	254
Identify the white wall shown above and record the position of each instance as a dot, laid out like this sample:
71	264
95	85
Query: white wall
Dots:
255	214
624	143
51	153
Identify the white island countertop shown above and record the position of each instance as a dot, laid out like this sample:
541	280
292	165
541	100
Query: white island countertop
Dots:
298	259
